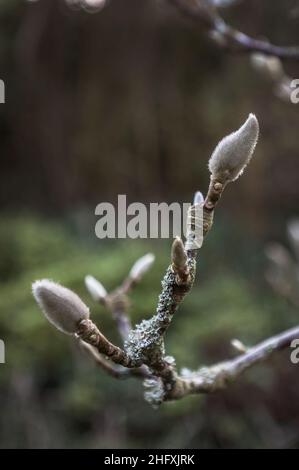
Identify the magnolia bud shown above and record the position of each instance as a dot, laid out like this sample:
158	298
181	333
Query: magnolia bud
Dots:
198	198
238	345
178	254
62	307
234	152
141	266
95	288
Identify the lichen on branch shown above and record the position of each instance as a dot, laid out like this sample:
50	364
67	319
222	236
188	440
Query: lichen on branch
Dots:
143	354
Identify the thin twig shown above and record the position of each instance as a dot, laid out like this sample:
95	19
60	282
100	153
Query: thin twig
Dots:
218	376
117	303
88	332
115	371
227	37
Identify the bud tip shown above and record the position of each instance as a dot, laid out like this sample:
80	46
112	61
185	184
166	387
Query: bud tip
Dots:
61	306
141	266
234	152
178	254
95	288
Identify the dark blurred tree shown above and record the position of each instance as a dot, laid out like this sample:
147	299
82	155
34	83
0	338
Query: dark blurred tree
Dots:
140	87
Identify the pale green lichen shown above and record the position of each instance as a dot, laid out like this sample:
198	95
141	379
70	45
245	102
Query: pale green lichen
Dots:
157	389
145	343
155	392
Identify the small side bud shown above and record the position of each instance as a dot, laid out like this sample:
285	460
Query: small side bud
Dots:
198	198
238	345
141	266
61	306
178	254
234	152
95	288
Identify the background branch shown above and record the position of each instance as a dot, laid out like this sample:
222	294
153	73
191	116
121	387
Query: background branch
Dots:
117	301
218	376
206	14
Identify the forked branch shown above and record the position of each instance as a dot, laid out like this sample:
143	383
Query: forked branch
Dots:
143	352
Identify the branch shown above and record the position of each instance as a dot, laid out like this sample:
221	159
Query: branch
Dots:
143	354
117	372
218	376
206	14
117	302
146	341
88	332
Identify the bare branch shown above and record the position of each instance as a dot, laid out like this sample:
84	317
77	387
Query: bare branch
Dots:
146	341
115	371
144	351
107	366
118	304
89	333
210	379
206	14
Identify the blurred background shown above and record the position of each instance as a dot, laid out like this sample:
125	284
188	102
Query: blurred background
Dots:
132	100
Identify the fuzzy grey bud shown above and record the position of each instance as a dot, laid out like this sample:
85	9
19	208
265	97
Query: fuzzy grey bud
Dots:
178	254
141	266
95	288
62	307
234	152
